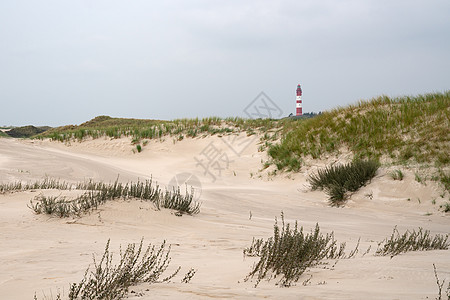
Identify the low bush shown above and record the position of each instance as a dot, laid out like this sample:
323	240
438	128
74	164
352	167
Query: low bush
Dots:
339	179
111	281
420	240
108	281
290	252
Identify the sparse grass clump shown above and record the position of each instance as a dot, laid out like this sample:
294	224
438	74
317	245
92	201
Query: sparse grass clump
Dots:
45	184
445	207
290	252
97	193
420	240
179	202
397	174
339	179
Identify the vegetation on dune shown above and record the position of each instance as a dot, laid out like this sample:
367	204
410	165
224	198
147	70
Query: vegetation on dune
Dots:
440	285
26	131
404	129
45	184
139	129
339	179
111	281
397	174
98	193
290	252
419	240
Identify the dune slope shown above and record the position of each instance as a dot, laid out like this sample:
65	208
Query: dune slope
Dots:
41	254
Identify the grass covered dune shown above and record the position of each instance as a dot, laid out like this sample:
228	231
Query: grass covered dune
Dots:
390	239
402	129
414	129
139	129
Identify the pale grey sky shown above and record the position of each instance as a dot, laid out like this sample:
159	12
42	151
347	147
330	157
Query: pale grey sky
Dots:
65	62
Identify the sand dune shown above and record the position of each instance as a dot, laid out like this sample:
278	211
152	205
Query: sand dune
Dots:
41	253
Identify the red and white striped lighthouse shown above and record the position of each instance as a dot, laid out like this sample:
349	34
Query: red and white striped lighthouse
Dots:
299	100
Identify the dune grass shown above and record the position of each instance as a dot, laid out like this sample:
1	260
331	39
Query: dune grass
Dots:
45	184
339	179
97	193
397	175
404	129
139	129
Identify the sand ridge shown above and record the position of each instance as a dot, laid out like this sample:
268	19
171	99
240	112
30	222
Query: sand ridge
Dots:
43	253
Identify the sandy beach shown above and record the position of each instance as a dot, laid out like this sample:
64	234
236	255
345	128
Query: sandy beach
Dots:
41	254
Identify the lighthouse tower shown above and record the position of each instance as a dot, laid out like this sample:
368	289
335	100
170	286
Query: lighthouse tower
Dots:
299	101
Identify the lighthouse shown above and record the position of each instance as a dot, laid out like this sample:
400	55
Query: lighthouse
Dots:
299	101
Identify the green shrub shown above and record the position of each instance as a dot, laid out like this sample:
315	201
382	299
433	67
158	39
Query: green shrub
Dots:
290	252
136	265
420	240
337	180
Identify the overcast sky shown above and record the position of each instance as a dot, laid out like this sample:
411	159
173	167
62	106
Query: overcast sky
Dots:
65	62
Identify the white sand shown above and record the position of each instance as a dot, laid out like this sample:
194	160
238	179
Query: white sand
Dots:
40	254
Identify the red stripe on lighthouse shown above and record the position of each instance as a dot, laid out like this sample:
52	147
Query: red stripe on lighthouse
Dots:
299	101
